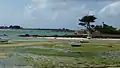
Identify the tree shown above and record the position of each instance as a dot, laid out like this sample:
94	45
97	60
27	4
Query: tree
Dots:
85	21
15	27
104	28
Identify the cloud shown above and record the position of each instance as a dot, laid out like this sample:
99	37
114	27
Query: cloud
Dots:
34	6
92	13
55	12
112	9
51	6
111	13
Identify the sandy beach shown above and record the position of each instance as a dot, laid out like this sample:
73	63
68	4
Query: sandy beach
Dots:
65	38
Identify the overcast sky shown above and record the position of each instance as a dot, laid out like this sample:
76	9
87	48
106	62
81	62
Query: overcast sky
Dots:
57	13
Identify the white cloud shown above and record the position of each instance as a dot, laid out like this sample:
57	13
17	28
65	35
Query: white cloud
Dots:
112	9
92	13
110	14
52	9
61	13
34	6
54	13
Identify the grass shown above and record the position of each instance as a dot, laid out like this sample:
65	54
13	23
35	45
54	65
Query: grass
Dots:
64	45
23	43
85	53
91	47
71	62
44	52
84	58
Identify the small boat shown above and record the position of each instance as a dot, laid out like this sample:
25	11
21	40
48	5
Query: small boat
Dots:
4	40
27	35
4	35
76	44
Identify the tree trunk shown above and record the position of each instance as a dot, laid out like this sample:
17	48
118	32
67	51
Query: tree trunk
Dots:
89	30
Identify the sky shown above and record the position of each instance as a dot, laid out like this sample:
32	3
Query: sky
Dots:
57	13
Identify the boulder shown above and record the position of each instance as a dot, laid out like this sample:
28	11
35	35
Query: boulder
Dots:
85	40
76	44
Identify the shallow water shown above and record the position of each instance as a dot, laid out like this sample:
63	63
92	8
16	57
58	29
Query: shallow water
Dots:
13	33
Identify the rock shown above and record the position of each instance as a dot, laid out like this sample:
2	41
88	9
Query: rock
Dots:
98	66
84	41
76	44
110	46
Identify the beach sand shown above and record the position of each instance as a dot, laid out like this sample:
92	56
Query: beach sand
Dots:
69	38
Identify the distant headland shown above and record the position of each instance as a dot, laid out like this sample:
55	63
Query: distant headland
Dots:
11	27
19	27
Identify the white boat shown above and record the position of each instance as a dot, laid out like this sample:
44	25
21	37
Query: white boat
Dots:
4	40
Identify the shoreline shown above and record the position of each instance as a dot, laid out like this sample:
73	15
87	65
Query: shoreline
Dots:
68	38
63	38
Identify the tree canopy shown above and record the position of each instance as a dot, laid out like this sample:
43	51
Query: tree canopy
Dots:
104	28
86	20
107	29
